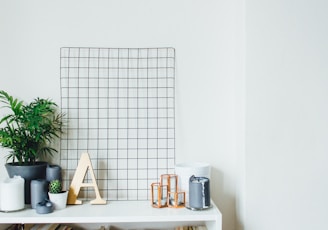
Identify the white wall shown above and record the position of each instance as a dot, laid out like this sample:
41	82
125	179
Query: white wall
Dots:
286	115
207	37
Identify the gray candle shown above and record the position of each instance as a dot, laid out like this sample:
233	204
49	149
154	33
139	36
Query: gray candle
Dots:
199	192
53	173
38	191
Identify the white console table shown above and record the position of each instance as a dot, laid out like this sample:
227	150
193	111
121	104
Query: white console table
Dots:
121	214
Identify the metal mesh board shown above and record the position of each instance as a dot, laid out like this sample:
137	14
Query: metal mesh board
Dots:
120	106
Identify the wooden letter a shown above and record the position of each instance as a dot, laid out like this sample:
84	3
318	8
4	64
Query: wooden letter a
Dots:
77	182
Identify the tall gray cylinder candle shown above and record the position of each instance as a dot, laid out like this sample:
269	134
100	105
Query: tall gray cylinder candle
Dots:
38	191
199	192
53	173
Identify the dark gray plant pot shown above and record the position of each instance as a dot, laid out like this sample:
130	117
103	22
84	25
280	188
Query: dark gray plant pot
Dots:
28	172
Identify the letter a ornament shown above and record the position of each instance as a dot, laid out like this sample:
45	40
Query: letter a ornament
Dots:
83	167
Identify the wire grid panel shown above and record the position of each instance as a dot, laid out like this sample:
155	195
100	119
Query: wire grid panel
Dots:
120	106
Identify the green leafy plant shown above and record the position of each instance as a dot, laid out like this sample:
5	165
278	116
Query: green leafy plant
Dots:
55	186
29	129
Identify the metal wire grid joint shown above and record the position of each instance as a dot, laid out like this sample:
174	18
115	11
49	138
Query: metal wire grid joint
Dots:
120	104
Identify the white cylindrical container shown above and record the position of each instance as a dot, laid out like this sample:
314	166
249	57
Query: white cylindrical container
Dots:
186	170
12	194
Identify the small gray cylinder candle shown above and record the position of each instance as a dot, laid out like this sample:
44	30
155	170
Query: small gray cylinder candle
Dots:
199	192
53	173
38	191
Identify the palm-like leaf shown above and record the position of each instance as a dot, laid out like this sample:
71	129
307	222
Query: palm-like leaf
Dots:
29	129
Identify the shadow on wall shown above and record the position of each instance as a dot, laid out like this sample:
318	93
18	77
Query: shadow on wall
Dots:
225	199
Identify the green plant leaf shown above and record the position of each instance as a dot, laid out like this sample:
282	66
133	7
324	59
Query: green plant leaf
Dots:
29	129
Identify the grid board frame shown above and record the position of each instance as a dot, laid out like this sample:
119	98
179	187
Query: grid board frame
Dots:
120	107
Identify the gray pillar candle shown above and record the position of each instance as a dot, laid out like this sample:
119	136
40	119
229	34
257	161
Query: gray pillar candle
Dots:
38	191
199	192
53	173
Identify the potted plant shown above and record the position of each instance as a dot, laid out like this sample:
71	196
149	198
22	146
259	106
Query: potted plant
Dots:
28	130
57	196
